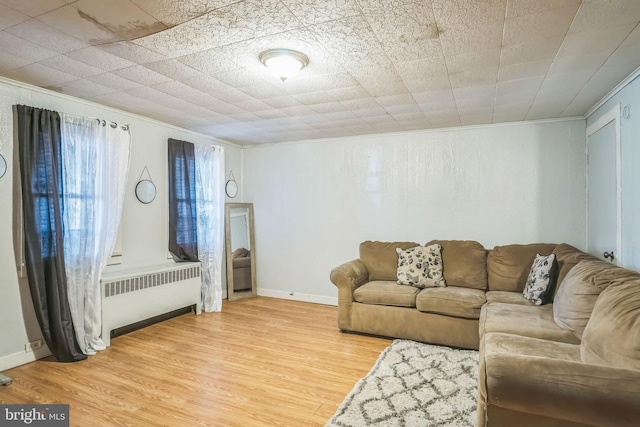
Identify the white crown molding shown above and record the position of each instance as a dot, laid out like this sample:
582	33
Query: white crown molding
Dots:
613	92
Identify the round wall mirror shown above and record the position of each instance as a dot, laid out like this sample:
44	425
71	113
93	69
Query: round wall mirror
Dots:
3	166
145	191
231	188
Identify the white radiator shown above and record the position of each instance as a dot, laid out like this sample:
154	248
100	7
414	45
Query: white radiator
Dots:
131	296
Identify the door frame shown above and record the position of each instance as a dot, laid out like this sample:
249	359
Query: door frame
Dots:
613	115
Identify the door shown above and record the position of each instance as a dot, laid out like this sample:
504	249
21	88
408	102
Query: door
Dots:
603	189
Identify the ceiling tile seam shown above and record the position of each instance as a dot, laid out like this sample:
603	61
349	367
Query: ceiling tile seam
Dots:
446	65
502	44
564	39
599	68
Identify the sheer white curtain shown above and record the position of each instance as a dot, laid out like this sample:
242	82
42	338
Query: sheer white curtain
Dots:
210	214
95	159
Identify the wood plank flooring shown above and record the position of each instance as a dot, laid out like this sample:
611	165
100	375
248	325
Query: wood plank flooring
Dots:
261	362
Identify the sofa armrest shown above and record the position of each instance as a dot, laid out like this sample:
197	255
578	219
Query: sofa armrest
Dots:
568	390
347	277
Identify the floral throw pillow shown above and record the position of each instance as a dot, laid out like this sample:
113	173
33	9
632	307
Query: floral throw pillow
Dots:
420	267
541	280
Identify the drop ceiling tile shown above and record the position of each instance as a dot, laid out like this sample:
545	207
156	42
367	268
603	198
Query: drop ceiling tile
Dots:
596	39
360	103
203	100
387	127
541	25
370	113
297	111
476	118
175	70
238	77
40	33
428	83
384	87
422	69
522	90
99	58
415	124
477	36
527	7
71	21
328	107
253	105
271	114
177	89
436	97
445	122
318	83
132	52
461	12
579	63
407	31
544	109
172	12
441	114
10	17
263	90
352	42
44	75
24	49
406	116
474	76
389	100
120	16
531	51
87	88
33	7
142	75
231	95
10	62
509	115
524	70
605	14
230	24
284	101
208	85
311	12
69	65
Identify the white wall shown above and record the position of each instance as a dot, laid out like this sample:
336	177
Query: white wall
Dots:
145	226
629	95
315	201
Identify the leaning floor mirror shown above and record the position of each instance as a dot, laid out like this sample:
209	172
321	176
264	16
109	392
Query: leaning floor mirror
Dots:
241	252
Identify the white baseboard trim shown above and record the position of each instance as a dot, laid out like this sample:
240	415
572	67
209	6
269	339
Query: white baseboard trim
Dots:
23	357
317	299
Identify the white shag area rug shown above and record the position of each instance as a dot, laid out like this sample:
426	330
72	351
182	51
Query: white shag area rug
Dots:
414	384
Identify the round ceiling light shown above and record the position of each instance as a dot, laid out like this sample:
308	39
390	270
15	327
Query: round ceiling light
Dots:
284	63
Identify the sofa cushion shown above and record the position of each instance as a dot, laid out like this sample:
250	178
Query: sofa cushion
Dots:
612	335
381	259
507	297
508	266
464	263
525	320
382	292
567	257
579	290
451	301
420	267
541	280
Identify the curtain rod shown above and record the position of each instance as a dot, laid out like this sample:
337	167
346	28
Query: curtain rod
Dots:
113	124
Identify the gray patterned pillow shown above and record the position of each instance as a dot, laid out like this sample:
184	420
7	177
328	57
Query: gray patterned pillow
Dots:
541	279
420	267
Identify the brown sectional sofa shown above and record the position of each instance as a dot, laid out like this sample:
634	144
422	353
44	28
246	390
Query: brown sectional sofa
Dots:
572	362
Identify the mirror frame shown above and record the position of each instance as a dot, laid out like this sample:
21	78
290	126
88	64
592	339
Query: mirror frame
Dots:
143	192
232	295
3	166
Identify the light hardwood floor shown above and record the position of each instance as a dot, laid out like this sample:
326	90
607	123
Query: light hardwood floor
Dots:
261	362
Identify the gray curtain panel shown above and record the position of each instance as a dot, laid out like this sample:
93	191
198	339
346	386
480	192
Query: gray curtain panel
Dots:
40	167
183	231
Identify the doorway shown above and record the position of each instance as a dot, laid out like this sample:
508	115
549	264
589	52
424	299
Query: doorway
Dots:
604	202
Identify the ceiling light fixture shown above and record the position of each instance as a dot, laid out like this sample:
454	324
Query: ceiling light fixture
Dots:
284	63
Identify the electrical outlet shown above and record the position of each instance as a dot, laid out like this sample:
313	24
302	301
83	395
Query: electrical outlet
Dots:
33	346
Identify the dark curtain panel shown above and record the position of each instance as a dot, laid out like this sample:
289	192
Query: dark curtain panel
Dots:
183	232
40	169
